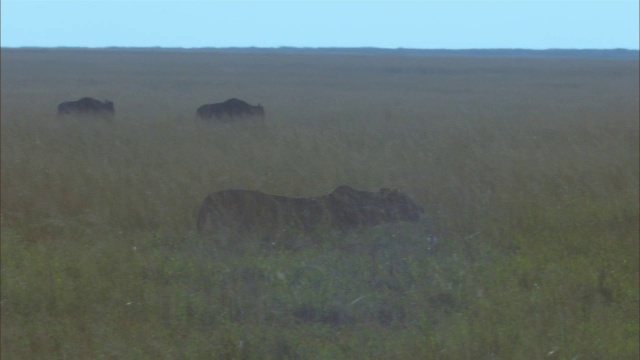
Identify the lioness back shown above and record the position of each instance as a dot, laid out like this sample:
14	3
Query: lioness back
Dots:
248	211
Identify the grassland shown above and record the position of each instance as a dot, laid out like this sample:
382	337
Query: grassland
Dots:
528	170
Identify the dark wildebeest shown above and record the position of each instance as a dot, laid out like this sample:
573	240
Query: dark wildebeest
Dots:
229	109
86	106
254	212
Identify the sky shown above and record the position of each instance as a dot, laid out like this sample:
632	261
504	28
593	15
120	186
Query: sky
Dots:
426	24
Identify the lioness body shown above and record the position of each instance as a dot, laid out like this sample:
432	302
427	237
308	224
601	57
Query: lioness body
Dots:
254	212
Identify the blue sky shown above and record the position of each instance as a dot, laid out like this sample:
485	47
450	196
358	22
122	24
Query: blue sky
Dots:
426	24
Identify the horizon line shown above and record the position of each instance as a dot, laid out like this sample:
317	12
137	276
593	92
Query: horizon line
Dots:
313	47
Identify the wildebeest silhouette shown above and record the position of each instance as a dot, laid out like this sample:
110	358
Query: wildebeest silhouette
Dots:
253	212
86	106
229	109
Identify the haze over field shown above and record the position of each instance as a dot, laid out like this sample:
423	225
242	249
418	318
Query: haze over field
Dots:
527	170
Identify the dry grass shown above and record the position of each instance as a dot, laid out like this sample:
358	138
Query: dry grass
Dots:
527	168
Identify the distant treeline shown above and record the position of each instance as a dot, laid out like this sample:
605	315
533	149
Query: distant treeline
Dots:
623	54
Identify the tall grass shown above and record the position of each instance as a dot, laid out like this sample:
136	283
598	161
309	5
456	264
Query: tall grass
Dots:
528	170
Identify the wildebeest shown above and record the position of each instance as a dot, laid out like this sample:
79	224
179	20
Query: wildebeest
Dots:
86	106
254	212
229	109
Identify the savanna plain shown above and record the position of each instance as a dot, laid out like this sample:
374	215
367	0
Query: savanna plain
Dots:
527	170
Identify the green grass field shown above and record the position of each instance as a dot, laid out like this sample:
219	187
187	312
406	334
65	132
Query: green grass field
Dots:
528	170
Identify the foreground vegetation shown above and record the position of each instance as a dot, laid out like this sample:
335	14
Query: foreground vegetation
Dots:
528	171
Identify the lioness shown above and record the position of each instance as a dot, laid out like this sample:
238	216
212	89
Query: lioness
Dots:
254	212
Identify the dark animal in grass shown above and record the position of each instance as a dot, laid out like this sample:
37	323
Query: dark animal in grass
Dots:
229	109
86	106
250	212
